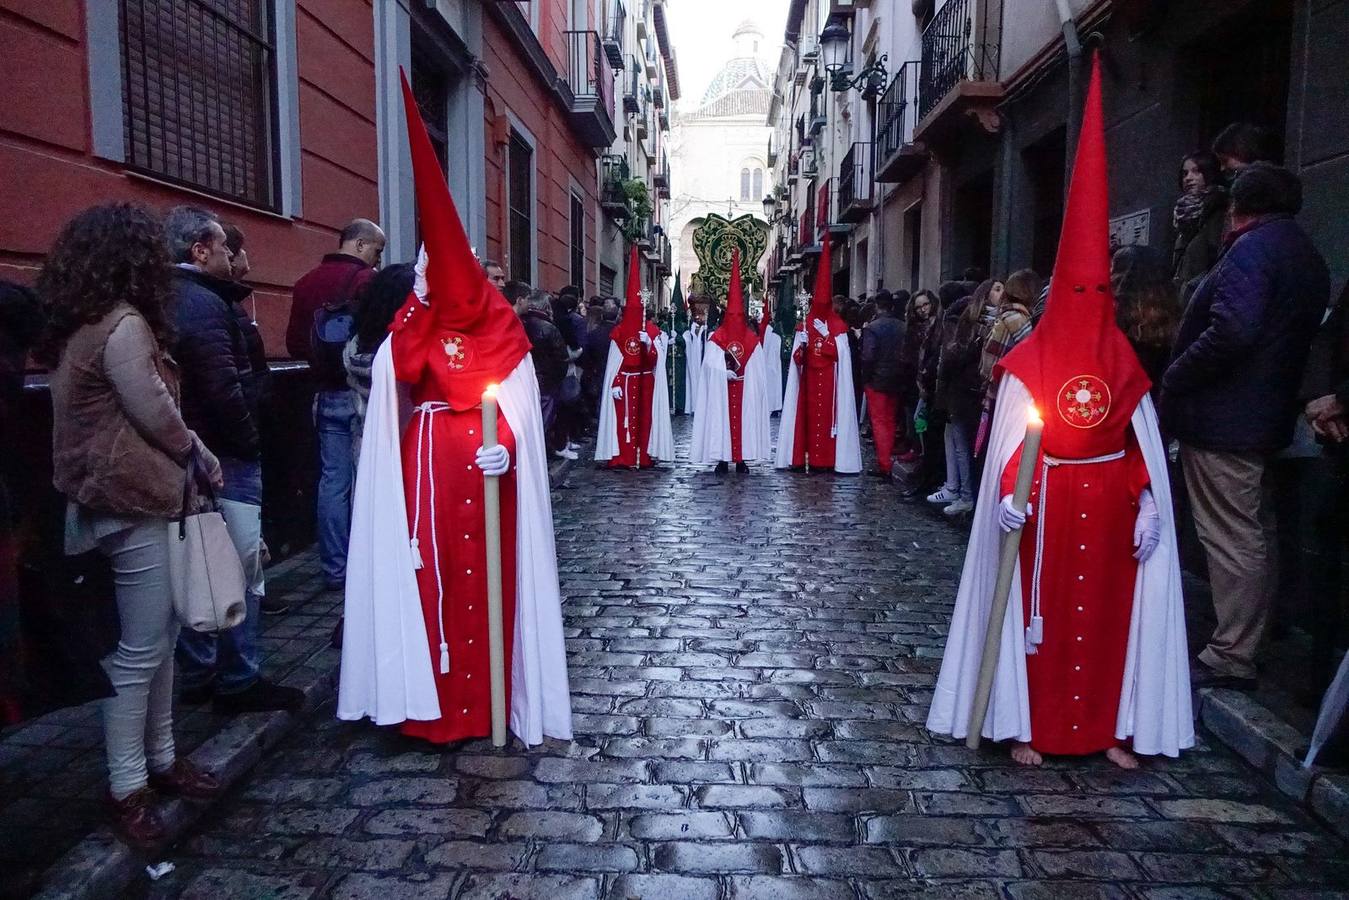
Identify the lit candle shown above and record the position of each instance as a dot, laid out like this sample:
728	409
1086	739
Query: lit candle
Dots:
496	649
997	613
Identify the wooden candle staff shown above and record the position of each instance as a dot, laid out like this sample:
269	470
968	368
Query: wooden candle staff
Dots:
1011	545
496	649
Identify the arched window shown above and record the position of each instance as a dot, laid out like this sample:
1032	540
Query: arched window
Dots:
758	184
744	184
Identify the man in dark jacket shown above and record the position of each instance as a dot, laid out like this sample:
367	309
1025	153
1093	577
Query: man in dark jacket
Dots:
333	284
550	360
1231	398
213	356
881	340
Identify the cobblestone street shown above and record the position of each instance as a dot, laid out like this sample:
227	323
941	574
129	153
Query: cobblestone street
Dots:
751	663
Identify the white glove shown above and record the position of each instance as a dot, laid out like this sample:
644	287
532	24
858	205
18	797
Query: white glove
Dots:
1147	527
731	376
644	338
616	393
1009	517
419	282
820	327
493	460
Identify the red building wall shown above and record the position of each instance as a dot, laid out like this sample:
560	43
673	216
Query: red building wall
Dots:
559	157
48	171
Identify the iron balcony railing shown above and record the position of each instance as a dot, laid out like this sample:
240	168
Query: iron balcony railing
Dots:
632	90
588	69
897	112
614	20
856	184
962	43
613	173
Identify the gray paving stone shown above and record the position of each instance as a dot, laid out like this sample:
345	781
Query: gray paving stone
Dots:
343	853
924	831
825	799
386	887
874	862
445	822
663	887
215	883
386	791
686	825
1106	865
713	858
634	796
554	857
525	795
495	855
529	887
734	796
797	827
561	826
964	862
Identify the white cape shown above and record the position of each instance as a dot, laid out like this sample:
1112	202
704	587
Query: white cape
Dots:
712	426
1155	701
386	670
847	447
772	347
693	366
660	446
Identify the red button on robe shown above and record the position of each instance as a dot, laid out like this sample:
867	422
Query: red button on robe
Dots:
816	402
1087	574
637	379
458	540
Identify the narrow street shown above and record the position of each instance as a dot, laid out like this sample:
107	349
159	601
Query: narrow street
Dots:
751	661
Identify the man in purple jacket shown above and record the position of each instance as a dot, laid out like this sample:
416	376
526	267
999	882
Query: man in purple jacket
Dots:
333	283
1231	398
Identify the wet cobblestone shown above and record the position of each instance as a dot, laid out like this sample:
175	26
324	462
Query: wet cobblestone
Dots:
752	658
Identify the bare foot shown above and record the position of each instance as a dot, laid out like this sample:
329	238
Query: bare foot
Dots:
1022	754
1122	758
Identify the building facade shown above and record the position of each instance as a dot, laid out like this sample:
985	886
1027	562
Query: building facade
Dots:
946	146
720	147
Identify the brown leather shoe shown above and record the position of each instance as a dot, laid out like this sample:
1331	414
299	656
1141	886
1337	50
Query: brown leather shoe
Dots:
182	779
136	819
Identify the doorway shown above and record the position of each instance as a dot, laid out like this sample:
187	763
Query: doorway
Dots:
1045	163
972	225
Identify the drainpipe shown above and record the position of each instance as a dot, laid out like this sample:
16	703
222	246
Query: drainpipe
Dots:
1075	94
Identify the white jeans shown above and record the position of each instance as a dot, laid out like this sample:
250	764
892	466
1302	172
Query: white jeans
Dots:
138	719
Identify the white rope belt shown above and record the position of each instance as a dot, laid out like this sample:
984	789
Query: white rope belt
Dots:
627	401
1035	632
426	438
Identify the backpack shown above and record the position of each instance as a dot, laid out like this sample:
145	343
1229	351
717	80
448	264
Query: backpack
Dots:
333	326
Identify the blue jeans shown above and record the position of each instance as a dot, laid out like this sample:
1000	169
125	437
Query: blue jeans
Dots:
334	417
230	659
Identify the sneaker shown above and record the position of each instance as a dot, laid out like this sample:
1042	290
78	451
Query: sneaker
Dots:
958	508
572	445
943	496
273	605
261	696
565	454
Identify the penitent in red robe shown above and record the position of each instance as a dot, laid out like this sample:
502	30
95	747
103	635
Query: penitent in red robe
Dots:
637	379
816	407
444	495
1083	523
735	397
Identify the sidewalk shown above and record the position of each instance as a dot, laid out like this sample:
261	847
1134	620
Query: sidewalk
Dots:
53	773
53	838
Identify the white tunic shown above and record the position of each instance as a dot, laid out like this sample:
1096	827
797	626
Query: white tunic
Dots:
848	447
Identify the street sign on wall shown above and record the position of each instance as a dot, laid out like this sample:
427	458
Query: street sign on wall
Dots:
1131	229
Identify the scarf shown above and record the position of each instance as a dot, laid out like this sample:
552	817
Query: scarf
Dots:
1192	208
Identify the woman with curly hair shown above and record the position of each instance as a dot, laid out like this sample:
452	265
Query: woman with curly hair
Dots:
1147	309
120	453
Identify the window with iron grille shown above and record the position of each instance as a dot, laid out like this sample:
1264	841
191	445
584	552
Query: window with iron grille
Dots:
521	201
578	247
199	94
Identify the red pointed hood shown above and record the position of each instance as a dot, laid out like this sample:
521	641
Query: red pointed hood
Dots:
822	301
734	334
634	315
1077	364
765	318
469	337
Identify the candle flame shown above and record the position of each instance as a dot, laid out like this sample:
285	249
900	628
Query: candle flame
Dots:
491	392
1034	416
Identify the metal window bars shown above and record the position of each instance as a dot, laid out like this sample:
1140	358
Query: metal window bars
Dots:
962	43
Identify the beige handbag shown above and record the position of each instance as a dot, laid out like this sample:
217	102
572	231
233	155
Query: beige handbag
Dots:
206	577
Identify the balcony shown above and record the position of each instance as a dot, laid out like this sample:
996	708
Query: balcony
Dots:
660	177
958	81
646	236
632	87
613	198
591	88
856	186
844	9
898	156
652	63
665	265
614	23
642	12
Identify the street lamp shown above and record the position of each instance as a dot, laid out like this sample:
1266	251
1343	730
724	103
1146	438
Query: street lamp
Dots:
834	43
770	205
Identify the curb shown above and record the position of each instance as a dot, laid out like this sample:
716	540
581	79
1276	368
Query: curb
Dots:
1276	748
101	865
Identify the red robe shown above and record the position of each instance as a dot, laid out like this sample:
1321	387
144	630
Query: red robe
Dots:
453	533
637	379
1087	574
735	396
814	442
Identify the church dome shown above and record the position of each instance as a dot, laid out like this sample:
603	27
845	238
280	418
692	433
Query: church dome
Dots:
744	71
